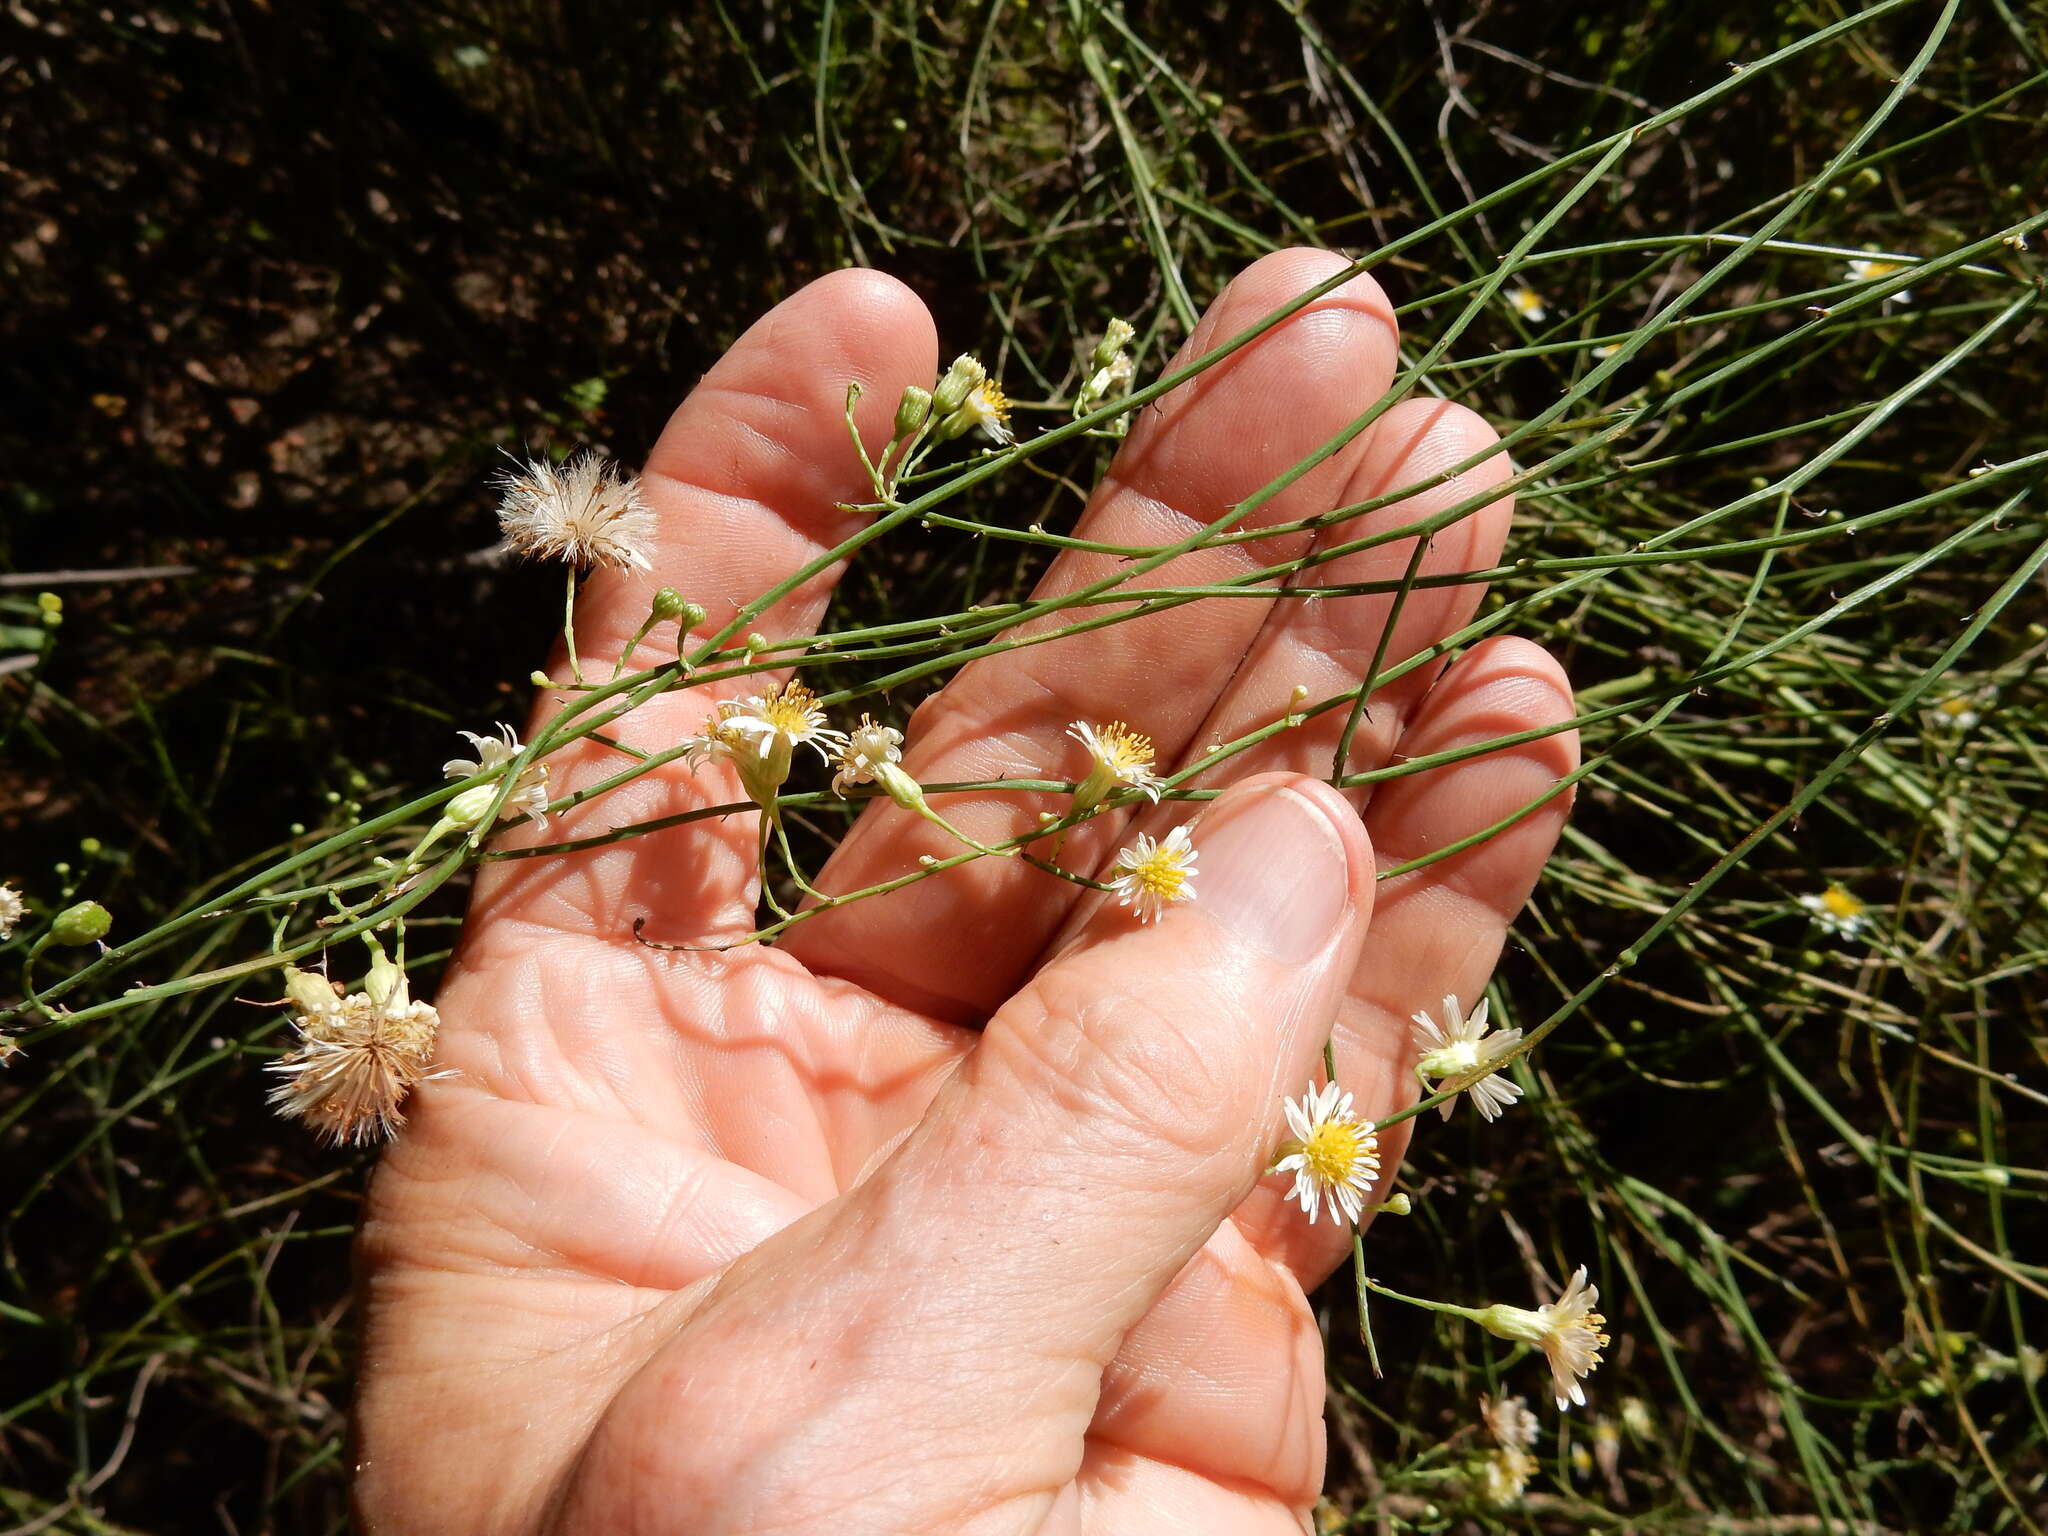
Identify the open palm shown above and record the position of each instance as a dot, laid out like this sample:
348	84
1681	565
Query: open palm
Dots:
945	1214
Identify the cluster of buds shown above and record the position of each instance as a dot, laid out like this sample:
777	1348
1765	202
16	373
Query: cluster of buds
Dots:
359	1054
965	399
1110	373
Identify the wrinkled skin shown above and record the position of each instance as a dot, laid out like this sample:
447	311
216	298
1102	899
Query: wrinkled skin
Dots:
946	1214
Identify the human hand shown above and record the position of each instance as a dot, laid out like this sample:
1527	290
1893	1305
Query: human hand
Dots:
776	1239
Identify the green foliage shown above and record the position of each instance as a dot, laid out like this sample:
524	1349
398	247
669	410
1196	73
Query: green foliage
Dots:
1773	517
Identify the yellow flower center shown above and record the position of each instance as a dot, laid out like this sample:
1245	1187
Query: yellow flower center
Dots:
1525	301
1162	874
1882	268
1840	902
792	710
1124	750
1954	707
1332	1150
990	402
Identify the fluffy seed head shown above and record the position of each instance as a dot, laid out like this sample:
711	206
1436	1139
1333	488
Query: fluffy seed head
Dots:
359	1054
583	511
12	909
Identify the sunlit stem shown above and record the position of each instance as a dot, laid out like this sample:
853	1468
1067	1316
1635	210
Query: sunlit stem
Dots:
774	814
954	832
769	820
569	628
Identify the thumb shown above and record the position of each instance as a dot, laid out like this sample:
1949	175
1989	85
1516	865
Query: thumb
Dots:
1126	1100
1116	1110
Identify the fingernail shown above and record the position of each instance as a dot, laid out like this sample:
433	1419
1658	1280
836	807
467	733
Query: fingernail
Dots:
1273	872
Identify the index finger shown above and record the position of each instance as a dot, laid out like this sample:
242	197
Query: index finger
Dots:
748	484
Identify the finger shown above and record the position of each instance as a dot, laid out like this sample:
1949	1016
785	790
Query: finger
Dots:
1329	644
746	483
956	945
1223	1377
1114	1113
1231	1343
1438	930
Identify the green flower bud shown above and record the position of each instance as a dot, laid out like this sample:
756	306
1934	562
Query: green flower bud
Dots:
913	410
957	384
471	806
668	604
51	607
1399	1205
85	923
1114	340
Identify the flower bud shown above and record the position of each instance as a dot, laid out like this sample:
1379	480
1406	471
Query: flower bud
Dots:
85	923
913	410
668	604
471	806
51	608
1114	340
958	382
1398	1205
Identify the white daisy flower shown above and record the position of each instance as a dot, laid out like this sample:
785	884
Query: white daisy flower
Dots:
359	1054
529	796
1870	270
1958	713
12	909
1334	1155
1528	303
987	409
1460	1046
1837	911
1117	755
869	749
1567	1330
758	735
582	511
1151	876
1504	1475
